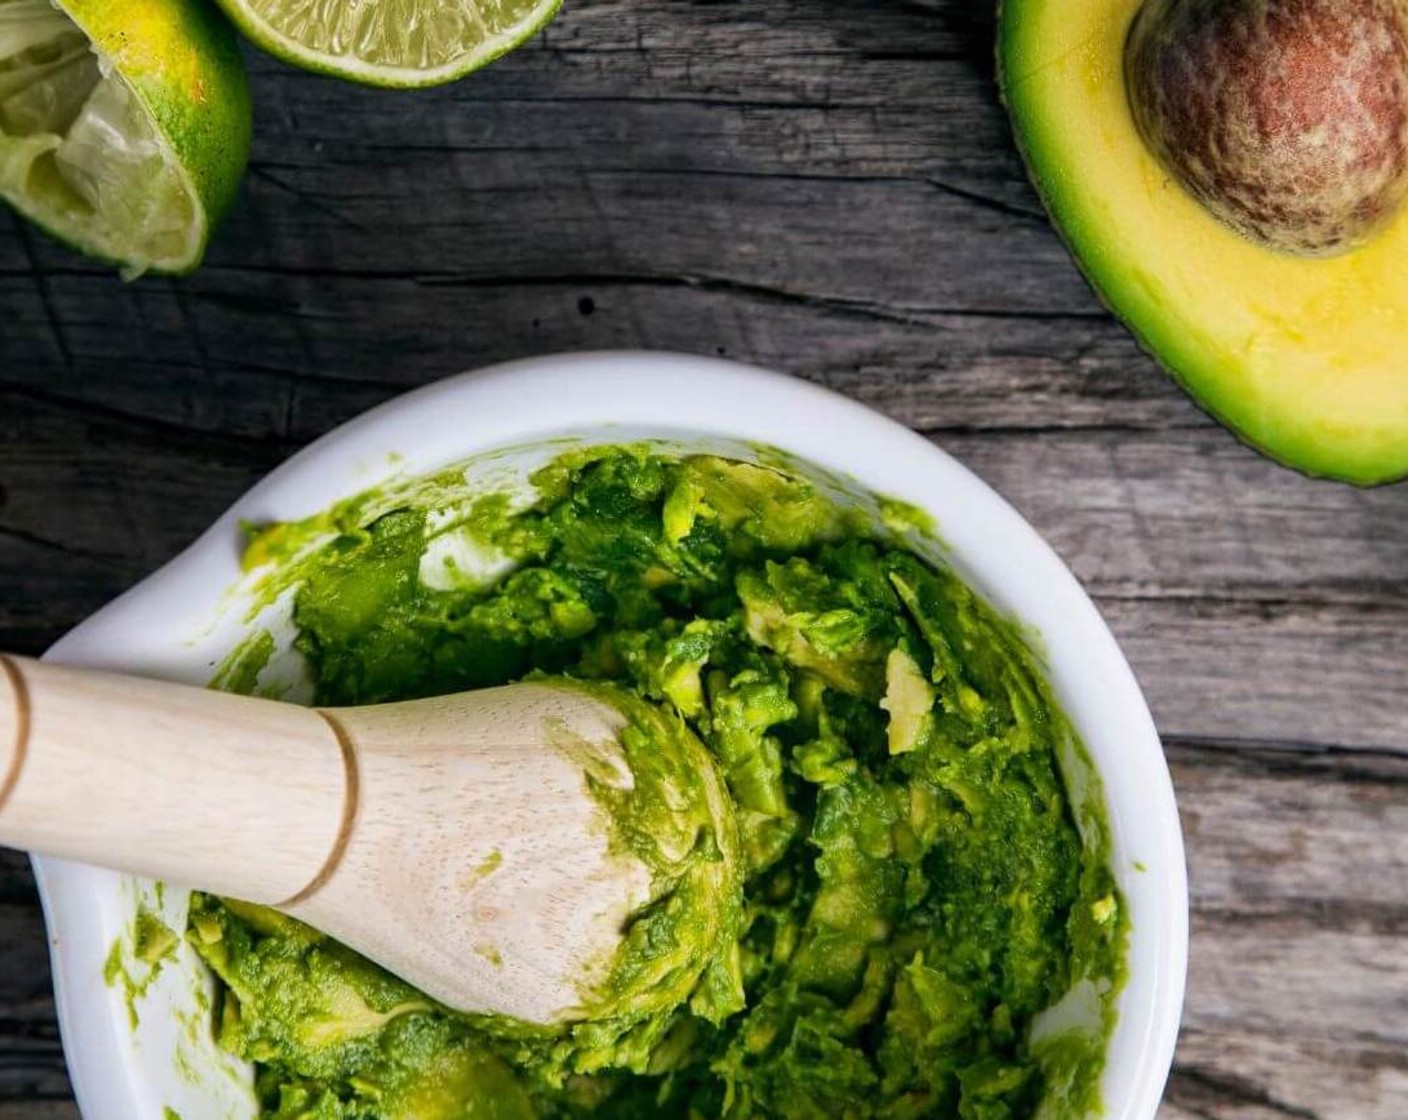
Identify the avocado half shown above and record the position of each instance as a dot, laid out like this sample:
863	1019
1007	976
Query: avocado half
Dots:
1306	359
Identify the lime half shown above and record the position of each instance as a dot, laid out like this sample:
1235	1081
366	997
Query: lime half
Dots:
390	42
124	127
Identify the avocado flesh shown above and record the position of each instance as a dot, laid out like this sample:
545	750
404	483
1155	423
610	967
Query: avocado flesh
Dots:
923	903
1303	358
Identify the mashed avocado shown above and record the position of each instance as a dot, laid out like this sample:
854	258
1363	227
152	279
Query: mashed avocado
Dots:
918	887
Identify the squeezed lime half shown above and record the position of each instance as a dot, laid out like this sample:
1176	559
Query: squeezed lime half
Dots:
390	42
124	127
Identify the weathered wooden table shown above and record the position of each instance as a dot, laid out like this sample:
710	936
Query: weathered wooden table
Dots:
826	187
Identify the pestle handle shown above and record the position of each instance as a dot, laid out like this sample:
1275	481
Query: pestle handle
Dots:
237	795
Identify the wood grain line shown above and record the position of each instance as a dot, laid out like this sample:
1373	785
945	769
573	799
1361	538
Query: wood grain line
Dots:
351	800
1234	1089
23	723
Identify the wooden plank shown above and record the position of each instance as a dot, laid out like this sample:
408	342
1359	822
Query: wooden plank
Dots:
1254	603
1240	1074
1298	985
250	352
785	141
90	503
1189	513
289	357
1320	834
605	158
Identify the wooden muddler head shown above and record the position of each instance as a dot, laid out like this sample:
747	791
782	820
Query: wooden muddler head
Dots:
455	841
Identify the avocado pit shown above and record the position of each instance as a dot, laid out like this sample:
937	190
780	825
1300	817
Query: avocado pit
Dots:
1286	119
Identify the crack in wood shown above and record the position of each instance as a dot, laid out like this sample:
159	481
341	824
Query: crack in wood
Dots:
988	203
176	434
1292	918
1193	422
46	295
897	313
964	194
752	104
1375	765
23	536
1360	597
262	172
1237	1089
904	314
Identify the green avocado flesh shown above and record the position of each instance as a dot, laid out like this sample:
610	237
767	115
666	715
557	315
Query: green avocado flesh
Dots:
917	887
1301	357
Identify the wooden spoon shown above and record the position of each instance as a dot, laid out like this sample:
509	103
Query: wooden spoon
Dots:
454	841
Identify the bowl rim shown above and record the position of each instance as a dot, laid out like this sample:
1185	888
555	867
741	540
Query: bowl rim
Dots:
533	399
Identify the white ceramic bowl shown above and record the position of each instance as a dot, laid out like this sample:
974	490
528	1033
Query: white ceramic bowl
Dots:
181	622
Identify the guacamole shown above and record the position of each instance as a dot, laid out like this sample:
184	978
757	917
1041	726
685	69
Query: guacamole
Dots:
929	926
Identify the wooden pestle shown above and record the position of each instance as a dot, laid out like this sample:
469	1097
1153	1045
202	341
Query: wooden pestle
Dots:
454	840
